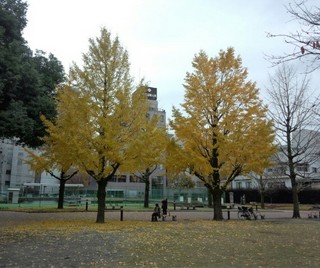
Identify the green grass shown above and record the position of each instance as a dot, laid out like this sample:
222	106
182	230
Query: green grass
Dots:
290	243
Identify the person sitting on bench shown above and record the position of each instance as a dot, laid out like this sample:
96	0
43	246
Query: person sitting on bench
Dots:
156	213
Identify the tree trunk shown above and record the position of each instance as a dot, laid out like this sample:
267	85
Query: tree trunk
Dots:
146	193
101	195
217	207
61	193
295	200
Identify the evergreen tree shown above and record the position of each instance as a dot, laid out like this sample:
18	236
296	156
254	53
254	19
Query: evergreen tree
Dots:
27	81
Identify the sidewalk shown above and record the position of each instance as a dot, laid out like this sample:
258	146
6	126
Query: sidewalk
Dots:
9	218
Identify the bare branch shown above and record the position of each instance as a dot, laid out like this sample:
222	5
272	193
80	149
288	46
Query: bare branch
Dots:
305	40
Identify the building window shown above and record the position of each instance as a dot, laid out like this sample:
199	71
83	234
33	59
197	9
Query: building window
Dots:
121	178
157	183
20	156
248	185
238	184
280	170
135	179
8	171
276	185
115	193
302	167
314	170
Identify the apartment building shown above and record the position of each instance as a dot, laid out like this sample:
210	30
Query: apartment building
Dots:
15	173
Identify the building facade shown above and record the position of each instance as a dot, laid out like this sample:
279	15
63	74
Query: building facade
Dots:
15	173
306	147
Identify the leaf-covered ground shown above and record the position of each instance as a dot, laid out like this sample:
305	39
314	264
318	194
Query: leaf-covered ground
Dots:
200	243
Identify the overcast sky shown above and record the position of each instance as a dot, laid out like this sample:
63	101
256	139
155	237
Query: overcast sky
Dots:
162	36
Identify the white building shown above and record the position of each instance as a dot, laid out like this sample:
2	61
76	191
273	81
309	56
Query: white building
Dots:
306	145
14	172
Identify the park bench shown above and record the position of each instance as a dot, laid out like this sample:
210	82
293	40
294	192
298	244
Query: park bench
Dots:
185	206
114	207
73	203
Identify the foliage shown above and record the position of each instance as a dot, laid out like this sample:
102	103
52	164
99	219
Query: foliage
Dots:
99	118
305	40
148	152
176	161
27	81
53	157
149	147
223	123
182	181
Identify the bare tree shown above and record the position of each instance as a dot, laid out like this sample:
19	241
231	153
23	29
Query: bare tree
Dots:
293	111
306	39
269	182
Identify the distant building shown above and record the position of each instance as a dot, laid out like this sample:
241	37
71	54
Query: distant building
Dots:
306	144
128	185
14	172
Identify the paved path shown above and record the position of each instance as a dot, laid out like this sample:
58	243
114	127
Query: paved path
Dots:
10	218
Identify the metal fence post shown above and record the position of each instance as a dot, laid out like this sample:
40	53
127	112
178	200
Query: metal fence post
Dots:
121	213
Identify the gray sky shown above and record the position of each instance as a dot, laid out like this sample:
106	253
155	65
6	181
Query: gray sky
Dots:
162	36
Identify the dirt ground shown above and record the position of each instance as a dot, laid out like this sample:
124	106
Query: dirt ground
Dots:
73	239
12	218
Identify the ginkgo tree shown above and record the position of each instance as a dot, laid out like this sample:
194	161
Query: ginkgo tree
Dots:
150	152
223	128
54	157
177	166
105	117
54	164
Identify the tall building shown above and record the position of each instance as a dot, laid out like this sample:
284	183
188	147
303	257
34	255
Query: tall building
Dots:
154	108
128	185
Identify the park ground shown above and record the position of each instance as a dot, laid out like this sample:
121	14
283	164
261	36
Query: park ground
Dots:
73	239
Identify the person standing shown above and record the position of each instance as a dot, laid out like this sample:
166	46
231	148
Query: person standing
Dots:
164	206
